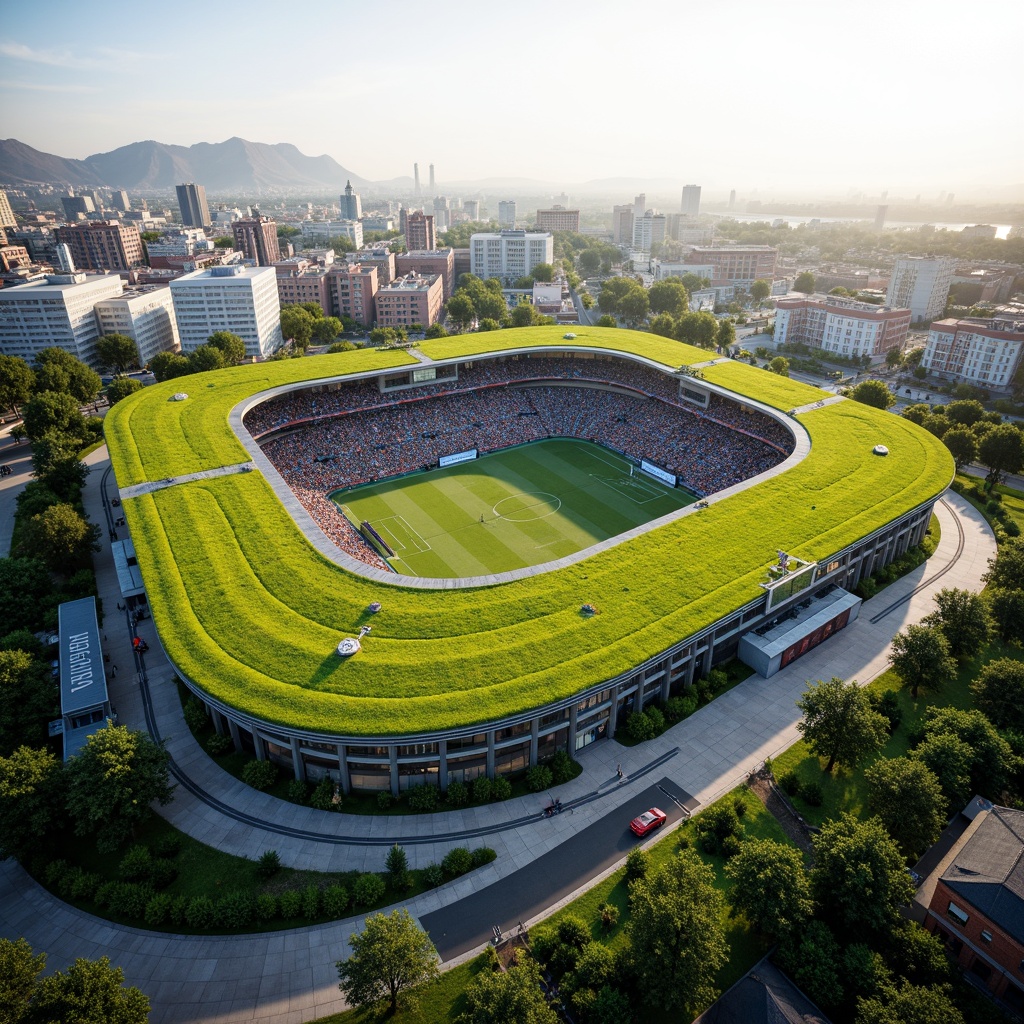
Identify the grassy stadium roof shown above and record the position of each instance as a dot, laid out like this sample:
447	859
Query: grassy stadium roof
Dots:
252	613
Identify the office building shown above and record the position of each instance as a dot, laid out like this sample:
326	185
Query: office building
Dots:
120	201
103	245
982	351
195	212
921	283
322	231
351	206
688	231
55	310
649	230
691	201
736	265
256	239
7	219
352	291
558	218
509	255
431	177
471	207
419	231
239	299
840	325
507	213
382	258
622	224
410	300
145	315
425	262
76	207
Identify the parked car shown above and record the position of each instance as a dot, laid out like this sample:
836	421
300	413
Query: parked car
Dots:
651	819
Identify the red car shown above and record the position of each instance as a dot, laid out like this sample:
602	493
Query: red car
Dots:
651	819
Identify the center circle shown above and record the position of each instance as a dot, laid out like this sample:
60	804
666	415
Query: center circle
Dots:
527	506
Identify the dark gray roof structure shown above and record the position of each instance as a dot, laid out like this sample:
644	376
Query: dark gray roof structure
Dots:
83	679
764	995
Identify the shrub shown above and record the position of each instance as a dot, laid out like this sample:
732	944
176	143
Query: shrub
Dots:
335	901
298	791
715	825
311	901
195	714
67	882
731	845
573	931
812	794
384	800
290	903
269	864
718	680
236	909
84	885
201	913
790	782
423	798
483	855
609	915
638	863
259	774
679	708
368	890
1011	528
322	797
136	864
657	719
457	862
397	864
563	768
538	777
179	907
266	906
162	874
458	793
501	788
104	893
481	788
704	691
739	805
158	909
167	845
218	745
433	876
53	872
639	727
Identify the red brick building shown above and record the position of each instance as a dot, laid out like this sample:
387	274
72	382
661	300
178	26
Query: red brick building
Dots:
738	265
429	261
103	245
410	300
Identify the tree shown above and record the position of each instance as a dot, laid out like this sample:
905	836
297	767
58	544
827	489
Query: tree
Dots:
804	282
962	446
168	365
992	760
874	393
16	380
962	618
53	411
224	242
122	387
61	538
436	331
760	290
664	325
231	346
839	722
326	329
508	997
77	379
588	262
24	586
1001	451
999	693
112	781
634	306
726	334
812	958
397	864
389	955
543	272
206	357
30	799
606	321
19	971
859	881
29	698
57	467
908	800
461	311
89	992
779	365
966	413
297	325
676	934
949	759
921	658
669	296
770	887
117	352
1006	570
612	292
522	315
909	1004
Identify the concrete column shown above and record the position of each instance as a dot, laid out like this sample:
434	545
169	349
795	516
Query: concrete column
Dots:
393	754
534	739
442	765
297	764
614	713
235	736
573	713
260	745
218	722
346	782
490	754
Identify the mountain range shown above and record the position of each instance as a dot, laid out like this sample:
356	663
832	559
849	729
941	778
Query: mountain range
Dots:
221	166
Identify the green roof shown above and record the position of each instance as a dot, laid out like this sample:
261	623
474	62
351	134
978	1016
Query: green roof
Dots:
252	613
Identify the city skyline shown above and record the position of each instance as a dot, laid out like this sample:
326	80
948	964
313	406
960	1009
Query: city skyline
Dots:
767	104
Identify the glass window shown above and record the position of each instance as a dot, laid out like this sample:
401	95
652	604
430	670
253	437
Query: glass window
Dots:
958	914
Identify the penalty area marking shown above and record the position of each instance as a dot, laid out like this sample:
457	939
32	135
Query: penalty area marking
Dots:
399	525
527	511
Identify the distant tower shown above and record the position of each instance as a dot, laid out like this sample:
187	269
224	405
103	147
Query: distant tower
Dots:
416	176
507	213
351	204
732	200
880	217
691	201
120	200
431	177
195	213
65	263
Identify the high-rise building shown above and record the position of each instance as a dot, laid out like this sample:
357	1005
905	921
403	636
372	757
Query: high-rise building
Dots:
416	177
419	231
880	215
691	201
431	177
146	316
103	245
76	206
120	201
732	200
921	283
320	232
558	218
56	310
622	224
256	237
351	204
649	230
507	213
472	208
352	290
442	213
7	219
195	213
242	300
509	255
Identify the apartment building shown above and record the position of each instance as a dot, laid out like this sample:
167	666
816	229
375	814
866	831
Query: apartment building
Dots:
844	326
509	255
736	265
352	289
429	261
410	300
383	259
419	231
146	315
558	218
102	245
921	283
985	352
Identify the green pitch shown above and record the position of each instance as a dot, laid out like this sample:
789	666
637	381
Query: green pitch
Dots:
509	509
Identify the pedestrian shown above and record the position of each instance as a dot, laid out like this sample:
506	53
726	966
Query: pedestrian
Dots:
618	771
113	671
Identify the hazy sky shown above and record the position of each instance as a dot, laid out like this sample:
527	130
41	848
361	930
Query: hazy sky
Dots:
912	96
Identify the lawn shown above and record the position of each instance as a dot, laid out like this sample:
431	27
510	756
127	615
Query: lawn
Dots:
509	509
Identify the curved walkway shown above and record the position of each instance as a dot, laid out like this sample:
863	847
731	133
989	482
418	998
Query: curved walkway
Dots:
290	975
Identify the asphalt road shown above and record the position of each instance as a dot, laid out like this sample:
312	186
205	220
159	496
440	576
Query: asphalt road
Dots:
525	893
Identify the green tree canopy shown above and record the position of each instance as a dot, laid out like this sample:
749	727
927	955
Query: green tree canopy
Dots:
962	446
61	538
634	306
612	292
168	365
999	693
88	992
543	272
859	880
57	467
664	325
949	759
812	959
779	365
326	329
16	382
606	321
297	325
508	997
1002	451
523	315
436	331
910	1004
962	618
19	971
122	387
29	698
112	781
231	345
461	311
839	723
770	887
760	290
917	413
992	762
388	956
1006	570
700	329
669	296
804	282
24	585
117	352
676	934
966	412
78	380
875	393
907	797
921	657
206	357
726	334
53	412
30	796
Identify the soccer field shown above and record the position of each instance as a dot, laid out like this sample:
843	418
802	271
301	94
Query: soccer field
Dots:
509	509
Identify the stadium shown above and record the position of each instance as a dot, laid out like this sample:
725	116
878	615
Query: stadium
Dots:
398	567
